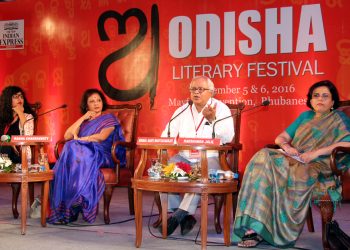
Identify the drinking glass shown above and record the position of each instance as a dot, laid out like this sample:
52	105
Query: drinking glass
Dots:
212	173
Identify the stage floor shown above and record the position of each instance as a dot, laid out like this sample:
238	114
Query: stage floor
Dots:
120	234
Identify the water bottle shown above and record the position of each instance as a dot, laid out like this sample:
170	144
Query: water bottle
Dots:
29	160
212	173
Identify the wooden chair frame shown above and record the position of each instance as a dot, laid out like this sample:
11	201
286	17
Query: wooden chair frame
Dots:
130	146
236	146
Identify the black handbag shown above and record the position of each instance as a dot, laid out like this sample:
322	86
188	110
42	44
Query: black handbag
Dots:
337	239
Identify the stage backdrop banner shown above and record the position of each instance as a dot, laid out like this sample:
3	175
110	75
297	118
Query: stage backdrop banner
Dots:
148	52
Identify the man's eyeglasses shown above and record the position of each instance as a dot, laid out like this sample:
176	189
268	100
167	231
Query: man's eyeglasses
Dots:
17	96
323	96
200	90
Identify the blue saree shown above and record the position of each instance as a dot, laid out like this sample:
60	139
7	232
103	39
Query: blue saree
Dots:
78	183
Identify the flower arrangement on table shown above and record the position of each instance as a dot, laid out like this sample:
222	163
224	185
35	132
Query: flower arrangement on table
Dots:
5	164
176	170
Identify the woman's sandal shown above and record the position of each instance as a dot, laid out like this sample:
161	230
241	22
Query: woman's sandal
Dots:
60	223
250	240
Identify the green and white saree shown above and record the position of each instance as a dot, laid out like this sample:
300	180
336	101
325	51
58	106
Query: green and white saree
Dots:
276	189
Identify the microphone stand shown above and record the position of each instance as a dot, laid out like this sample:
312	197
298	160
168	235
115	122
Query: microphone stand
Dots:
190	102
264	103
60	107
213	133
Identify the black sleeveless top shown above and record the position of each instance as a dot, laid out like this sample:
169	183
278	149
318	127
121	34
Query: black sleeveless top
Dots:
14	129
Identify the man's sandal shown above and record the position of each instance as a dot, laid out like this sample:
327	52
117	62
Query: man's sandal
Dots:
250	241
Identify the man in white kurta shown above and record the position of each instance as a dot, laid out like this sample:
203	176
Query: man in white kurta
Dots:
196	122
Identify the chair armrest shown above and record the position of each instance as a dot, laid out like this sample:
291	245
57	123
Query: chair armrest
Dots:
56	149
234	146
274	146
233	154
333	160
128	145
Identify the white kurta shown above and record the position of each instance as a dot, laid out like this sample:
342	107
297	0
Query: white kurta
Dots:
191	124
27	130
194	125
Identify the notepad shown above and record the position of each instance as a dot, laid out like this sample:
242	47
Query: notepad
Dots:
295	157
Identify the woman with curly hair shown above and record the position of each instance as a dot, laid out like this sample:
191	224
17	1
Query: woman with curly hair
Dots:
14	112
16	118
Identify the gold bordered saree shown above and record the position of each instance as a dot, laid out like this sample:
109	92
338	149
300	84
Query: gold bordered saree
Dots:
276	189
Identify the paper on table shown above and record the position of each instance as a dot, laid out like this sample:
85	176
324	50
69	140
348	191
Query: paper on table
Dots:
295	157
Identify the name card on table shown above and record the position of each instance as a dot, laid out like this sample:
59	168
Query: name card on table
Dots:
198	141
155	140
31	138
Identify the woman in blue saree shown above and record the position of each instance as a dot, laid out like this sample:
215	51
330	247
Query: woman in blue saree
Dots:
277	189
78	184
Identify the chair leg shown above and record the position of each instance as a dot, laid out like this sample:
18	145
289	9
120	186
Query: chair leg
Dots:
309	220
31	192
219	200
107	195
16	187
131	201
326	207
234	204
159	206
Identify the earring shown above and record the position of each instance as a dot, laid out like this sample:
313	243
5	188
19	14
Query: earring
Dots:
332	108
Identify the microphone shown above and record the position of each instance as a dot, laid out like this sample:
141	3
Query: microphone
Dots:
49	111
5	138
264	103
190	102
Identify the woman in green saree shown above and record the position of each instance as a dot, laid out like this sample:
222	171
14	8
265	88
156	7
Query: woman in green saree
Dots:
277	188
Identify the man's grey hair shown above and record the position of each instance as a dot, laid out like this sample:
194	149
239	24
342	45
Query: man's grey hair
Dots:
210	83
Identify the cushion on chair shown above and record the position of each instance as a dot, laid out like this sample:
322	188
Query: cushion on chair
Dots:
126	118
124	177
109	175
345	109
346	178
